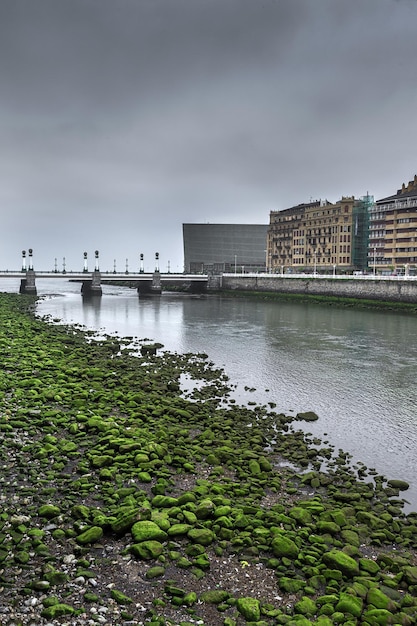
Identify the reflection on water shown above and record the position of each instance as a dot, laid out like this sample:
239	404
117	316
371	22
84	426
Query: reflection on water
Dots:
356	369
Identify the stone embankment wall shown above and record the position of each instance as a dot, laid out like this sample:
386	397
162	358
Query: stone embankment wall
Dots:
388	290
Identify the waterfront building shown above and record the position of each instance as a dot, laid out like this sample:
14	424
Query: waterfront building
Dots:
218	248
320	237
393	231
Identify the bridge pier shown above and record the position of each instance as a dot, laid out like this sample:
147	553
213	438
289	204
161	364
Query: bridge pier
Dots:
28	284
156	288
150	287
93	287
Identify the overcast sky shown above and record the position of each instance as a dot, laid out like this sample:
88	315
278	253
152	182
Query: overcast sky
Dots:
122	119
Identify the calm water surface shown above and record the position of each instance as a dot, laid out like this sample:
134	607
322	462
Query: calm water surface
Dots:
355	369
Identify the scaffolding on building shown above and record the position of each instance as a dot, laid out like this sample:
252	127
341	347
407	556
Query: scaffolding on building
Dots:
360	235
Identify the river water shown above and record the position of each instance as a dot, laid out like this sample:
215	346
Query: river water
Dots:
355	368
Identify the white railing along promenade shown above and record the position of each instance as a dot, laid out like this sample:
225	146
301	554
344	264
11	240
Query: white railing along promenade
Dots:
321	276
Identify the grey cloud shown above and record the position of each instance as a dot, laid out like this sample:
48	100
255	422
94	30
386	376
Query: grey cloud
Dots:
120	119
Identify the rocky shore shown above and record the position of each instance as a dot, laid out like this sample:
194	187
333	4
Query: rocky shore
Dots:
127	499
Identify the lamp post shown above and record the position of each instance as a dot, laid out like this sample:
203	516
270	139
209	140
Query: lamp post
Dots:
235	263
334	270
315	263
374	260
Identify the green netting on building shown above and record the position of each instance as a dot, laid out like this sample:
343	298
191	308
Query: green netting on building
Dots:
360	235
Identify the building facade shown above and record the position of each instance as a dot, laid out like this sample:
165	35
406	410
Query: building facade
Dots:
218	248
393	231
320	237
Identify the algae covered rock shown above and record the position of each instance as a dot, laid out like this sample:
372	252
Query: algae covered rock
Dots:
307	416
215	596
336	559
350	604
125	519
378	599
49	511
146	530
155	572
283	546
250	608
120	597
57	610
202	536
401	485
91	535
150	549
306	606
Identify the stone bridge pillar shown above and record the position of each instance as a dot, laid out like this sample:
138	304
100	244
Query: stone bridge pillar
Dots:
156	288
93	288
28	283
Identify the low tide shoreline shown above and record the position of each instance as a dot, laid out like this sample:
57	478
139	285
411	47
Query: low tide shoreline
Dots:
127	501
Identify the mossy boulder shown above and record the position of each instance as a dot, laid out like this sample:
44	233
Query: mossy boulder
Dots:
401	485
410	574
338	560
307	416
301	515
378	617
215	596
91	535
120	597
146	530
146	550
163	502
57	610
125	518
378	599
350	604
155	572
305	606
202	536
179	529
291	585
250	608
49	511
283	546
369	566
205	509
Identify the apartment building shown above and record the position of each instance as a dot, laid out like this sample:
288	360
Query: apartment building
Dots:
393	231
320	237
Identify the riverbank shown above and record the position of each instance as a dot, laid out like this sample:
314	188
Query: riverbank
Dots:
383	289
127	501
404	307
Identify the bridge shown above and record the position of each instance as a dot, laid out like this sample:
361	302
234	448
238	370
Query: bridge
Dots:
146	283
91	282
